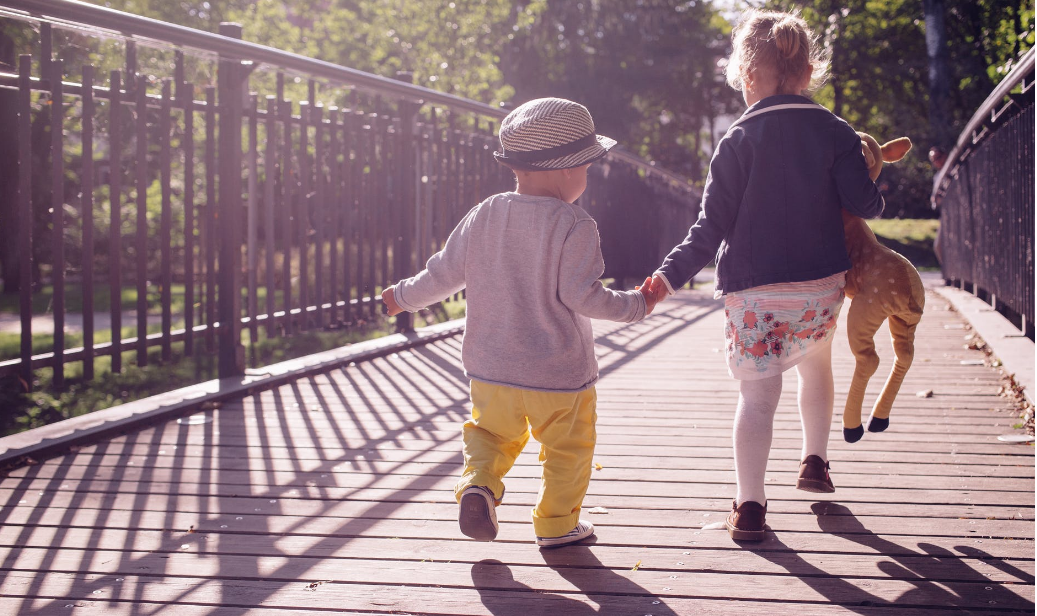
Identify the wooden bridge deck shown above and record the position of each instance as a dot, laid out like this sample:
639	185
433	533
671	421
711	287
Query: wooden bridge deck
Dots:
333	494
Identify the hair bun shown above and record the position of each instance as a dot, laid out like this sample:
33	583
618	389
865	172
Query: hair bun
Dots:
786	37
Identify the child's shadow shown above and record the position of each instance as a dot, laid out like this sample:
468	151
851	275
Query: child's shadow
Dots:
916	568
497	588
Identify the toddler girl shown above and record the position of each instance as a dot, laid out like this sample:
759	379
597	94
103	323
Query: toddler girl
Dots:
771	217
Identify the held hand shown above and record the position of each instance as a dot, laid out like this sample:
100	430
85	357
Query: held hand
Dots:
389	299
659	288
650	298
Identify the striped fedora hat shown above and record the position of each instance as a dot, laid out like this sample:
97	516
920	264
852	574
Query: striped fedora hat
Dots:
550	133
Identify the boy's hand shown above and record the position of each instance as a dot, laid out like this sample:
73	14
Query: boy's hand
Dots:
389	299
651	299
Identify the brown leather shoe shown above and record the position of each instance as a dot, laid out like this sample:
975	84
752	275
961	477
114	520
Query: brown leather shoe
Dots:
747	521
813	476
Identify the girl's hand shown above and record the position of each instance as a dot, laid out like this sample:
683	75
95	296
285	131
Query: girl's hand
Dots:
651	299
389	299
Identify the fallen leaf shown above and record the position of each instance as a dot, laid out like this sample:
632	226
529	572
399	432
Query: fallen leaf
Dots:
636	566
928	393
597	466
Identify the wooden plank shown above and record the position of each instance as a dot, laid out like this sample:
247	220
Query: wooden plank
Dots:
527	465
770	558
620	479
312	496
311	597
189	563
325	518
346	479
919	461
344	485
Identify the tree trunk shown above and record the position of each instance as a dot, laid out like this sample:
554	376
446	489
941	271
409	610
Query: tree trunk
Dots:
835	11
939	74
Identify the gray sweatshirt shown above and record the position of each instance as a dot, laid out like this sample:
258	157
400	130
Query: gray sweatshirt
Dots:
531	267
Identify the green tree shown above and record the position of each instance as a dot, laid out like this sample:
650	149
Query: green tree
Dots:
647	70
880	80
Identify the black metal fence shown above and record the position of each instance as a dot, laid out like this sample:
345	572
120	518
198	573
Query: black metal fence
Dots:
985	194
216	192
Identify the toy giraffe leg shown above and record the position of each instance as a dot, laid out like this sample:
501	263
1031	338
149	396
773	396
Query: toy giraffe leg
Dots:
902	330
862	321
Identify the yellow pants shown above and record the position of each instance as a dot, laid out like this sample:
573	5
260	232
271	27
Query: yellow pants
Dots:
563	423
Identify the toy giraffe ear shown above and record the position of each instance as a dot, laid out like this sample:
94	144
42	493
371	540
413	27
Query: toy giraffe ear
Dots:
896	149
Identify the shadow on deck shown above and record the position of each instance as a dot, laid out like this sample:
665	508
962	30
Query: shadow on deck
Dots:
334	494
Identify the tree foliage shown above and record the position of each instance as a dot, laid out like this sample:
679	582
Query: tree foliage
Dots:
880	73
647	70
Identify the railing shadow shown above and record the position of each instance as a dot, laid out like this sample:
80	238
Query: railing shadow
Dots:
178	489
939	577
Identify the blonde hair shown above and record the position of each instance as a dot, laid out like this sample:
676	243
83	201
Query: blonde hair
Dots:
780	44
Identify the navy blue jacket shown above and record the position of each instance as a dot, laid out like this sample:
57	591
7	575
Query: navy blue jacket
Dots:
773	200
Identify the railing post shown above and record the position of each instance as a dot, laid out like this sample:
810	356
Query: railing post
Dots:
230	79
25	215
407	193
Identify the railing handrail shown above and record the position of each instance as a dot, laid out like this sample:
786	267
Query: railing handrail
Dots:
982	116
129	25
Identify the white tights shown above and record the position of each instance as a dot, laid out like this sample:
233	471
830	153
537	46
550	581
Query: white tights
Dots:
754	420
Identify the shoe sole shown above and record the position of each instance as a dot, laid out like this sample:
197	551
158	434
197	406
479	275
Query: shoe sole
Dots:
556	542
744	535
475	517
817	487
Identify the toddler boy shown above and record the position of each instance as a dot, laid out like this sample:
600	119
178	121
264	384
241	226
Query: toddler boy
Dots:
530	260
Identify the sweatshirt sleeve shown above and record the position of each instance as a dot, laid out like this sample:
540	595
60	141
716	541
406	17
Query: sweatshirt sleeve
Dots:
444	274
579	284
721	198
857	193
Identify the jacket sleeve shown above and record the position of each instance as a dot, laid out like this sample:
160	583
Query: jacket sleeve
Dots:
721	198
857	193
579	285
444	274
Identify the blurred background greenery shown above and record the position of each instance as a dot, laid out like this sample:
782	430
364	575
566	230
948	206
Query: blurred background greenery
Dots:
651	71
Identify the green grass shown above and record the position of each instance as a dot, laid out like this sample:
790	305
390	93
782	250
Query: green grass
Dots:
43	299
912	238
22	411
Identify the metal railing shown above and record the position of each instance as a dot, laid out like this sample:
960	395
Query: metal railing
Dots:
180	170
985	194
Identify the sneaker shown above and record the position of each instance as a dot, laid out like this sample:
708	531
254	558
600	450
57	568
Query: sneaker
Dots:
747	521
477	515
582	531
814	477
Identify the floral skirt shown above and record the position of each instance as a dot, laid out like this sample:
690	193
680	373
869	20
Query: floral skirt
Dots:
773	327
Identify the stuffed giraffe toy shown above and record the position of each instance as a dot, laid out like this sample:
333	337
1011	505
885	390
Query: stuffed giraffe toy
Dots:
882	285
